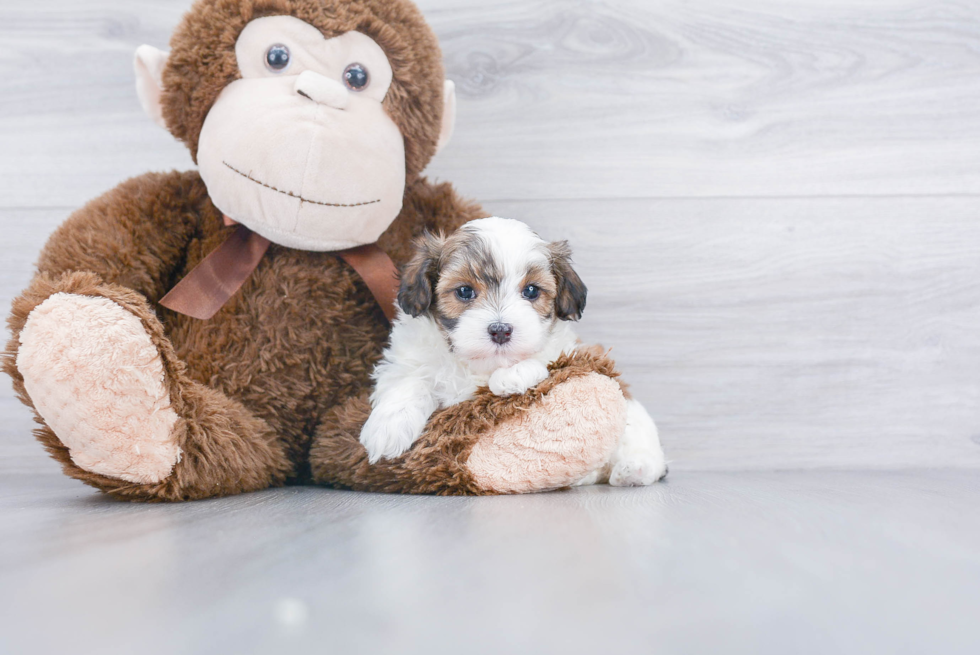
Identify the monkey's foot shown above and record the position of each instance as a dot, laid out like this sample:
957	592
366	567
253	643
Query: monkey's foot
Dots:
96	378
558	441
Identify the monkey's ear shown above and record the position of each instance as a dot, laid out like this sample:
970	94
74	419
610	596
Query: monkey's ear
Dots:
148	64
571	293
419	278
448	114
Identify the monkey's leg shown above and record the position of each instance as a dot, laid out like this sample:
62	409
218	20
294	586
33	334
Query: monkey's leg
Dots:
115	405
550	437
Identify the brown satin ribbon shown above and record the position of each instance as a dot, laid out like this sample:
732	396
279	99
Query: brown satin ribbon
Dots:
378	272
210	284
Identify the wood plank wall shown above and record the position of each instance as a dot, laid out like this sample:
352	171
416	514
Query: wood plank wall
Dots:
776	205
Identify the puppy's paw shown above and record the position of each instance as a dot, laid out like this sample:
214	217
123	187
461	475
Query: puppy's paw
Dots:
390	432
518	378
590	479
639	469
639	458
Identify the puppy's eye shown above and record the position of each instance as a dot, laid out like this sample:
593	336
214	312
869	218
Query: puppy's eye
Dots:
531	292
356	77
466	293
277	58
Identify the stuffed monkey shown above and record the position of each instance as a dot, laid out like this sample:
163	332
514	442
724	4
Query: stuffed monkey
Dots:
311	122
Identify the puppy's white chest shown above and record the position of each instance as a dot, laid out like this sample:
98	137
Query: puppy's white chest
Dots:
457	385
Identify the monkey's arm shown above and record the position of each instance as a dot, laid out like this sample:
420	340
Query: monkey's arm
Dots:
135	236
549	437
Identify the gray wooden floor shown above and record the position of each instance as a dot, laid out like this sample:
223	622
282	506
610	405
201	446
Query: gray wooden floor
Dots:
709	562
776	206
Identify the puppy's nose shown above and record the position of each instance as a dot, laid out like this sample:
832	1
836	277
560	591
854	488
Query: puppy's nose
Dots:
500	332
322	90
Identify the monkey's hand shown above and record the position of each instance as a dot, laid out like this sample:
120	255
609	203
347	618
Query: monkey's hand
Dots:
518	378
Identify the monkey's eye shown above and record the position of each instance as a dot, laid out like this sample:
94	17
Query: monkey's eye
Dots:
277	58
531	292
466	293
356	77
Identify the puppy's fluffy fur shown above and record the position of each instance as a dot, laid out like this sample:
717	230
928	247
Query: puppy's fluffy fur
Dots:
490	305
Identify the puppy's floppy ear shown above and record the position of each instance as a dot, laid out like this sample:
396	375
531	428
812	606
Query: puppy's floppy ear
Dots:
571	293
420	275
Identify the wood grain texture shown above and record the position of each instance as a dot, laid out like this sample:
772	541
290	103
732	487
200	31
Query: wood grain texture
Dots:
568	99
788	333
24	233
760	563
675	99
819	309
776	206
761	334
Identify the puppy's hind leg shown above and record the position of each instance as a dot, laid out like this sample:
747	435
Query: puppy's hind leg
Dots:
638	460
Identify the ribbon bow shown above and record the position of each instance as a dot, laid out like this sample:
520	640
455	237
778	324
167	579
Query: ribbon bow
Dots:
210	284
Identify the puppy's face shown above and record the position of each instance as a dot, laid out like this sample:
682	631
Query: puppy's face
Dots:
495	288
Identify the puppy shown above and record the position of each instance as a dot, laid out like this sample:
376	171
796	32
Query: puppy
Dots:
490	305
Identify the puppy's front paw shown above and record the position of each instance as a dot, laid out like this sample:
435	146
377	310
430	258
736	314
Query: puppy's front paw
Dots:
518	378
388	432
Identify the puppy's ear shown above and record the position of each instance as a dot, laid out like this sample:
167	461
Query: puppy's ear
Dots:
571	293
420	275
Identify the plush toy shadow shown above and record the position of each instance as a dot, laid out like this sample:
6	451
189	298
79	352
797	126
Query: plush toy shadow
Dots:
311	122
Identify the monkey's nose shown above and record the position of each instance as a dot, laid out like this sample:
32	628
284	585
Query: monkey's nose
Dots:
322	90
501	332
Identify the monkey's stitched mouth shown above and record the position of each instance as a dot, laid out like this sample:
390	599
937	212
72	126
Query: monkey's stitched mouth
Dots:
293	195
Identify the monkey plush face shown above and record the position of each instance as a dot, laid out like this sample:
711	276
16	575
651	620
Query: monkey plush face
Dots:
308	142
300	148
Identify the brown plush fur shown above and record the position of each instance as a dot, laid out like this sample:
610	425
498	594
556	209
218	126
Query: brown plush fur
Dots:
277	366
436	464
202	62
251	384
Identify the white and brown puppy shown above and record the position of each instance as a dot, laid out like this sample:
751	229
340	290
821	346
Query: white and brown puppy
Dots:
489	305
